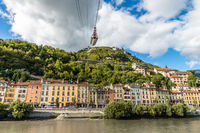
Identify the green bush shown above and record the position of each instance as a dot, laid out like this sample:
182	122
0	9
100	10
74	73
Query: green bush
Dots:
140	110
3	111
126	110
179	110
119	110
20	110
193	109
162	110
150	111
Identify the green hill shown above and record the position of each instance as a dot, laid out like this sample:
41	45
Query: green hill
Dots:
110	55
19	58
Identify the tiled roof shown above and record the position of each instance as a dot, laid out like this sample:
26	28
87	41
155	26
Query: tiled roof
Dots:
183	73
35	82
164	69
22	83
175	92
191	91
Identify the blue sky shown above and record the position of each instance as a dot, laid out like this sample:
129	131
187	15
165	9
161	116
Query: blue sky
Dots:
174	55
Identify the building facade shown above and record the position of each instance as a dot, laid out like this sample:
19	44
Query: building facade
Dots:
21	91
33	92
10	93
3	86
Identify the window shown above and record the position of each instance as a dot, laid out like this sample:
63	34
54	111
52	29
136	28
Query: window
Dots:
47	87
47	93
31	92
73	88
32	87
58	93
46	99
72	93
53	87
68	88
52	99
63	99
63	93
67	99
37	87
42	99
42	93
63	87
53	93
58	87
36	92
68	93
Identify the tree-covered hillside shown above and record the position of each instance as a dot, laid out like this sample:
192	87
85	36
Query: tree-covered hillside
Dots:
110	54
18	58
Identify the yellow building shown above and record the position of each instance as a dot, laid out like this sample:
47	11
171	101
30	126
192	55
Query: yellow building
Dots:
65	92
162	96
83	94
10	93
118	92
191	97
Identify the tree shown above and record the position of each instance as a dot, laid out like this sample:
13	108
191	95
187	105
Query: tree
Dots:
119	110
192	80
3	110
20	110
158	80
74	101
179	110
57	102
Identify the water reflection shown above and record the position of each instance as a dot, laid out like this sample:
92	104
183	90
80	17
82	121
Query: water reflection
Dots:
103	126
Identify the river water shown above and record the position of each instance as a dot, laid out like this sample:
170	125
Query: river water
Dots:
191	125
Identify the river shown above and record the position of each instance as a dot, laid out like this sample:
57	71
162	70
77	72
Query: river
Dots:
191	125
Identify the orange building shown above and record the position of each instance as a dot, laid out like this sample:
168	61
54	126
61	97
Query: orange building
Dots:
33	93
108	95
10	93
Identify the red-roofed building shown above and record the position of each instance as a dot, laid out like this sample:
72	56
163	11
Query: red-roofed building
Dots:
33	92
180	77
166	72
176	97
191	98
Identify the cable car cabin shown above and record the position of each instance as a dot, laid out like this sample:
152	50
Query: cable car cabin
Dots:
94	37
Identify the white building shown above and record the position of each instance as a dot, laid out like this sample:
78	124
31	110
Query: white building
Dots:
21	91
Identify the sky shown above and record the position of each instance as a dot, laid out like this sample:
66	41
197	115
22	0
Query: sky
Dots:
160	32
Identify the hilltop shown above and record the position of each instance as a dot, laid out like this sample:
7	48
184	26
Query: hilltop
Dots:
110	55
20	59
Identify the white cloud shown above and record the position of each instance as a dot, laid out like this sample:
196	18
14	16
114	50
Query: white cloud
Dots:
52	22
191	64
119	28
163	8
119	2
56	23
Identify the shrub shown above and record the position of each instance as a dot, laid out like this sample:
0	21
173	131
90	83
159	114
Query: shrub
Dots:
20	110
162	110
119	110
151	111
3	111
140	110
193	109
179	110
